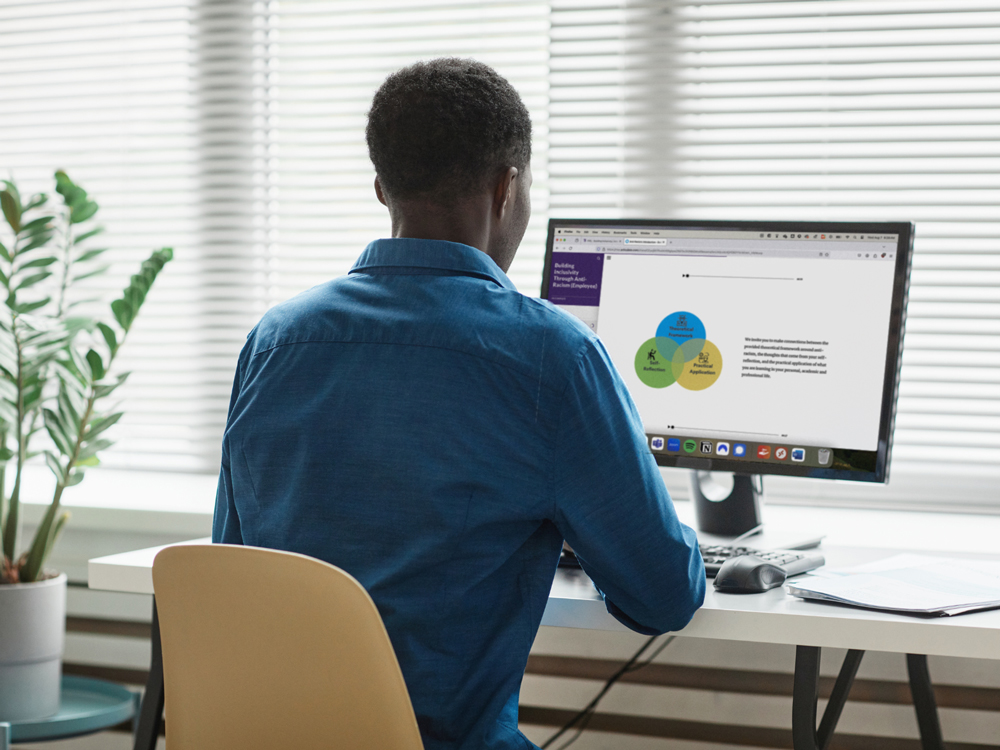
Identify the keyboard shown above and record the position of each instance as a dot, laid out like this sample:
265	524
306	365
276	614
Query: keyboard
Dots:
713	555
791	561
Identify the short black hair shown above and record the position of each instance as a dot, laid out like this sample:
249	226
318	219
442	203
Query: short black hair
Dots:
444	128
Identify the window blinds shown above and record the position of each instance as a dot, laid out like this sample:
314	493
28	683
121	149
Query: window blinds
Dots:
233	131
326	59
109	92
875	110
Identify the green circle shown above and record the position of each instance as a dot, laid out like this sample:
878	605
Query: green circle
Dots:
690	446
652	367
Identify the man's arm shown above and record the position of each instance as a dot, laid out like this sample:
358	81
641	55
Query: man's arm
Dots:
613	508
226	521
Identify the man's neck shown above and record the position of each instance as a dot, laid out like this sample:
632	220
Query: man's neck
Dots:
467	222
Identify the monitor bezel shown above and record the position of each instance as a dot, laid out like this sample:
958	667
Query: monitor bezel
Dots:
894	352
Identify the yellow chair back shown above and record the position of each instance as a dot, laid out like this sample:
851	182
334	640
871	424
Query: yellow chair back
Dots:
270	649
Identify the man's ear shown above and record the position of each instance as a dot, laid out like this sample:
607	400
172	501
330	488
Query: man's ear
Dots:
503	196
378	192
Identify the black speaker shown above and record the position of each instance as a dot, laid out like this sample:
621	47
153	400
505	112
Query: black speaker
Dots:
725	514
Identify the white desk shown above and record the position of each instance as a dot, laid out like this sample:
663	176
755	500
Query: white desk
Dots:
772	617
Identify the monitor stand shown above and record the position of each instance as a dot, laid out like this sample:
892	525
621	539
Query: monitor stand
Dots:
723	511
727	514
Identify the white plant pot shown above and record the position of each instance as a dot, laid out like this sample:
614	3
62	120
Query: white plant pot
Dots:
32	633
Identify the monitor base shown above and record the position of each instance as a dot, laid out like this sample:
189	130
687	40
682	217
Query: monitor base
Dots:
723	511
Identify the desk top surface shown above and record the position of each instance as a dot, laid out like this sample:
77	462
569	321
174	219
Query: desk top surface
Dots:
771	617
777	617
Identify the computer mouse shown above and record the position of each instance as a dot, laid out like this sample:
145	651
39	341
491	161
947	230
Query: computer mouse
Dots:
747	574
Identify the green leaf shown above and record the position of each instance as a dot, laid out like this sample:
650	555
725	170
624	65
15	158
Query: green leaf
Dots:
83	211
123	312
95	272
53	425
100	391
8	413
96	364
72	193
11	209
35	225
97	426
79	323
91	461
38	263
91	449
87	235
90	254
27	307
109	337
13	191
52	461
69	415
32	280
82	366
85	301
39	240
4	252
75	478
39	199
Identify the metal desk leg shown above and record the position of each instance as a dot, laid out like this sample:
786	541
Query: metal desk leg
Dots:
924	703
805	694
151	714
4	735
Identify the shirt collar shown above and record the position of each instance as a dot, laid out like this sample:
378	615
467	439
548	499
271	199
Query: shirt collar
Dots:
398	254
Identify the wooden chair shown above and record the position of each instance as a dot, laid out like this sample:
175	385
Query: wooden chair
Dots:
269	649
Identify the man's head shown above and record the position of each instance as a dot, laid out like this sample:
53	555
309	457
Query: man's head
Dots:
451	143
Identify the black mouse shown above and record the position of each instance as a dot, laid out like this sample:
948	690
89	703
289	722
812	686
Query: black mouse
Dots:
747	574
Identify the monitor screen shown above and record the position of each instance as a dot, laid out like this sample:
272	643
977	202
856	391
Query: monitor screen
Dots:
751	347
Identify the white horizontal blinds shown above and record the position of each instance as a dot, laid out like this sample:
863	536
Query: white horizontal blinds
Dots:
589	70
874	110
325	59
612	96
869	111
109	92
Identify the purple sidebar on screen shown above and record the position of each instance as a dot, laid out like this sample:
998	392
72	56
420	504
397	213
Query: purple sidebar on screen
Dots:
576	278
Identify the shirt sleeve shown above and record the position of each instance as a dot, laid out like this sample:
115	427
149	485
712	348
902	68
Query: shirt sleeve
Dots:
226	521
613	508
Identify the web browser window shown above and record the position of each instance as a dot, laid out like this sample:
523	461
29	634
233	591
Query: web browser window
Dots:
764	346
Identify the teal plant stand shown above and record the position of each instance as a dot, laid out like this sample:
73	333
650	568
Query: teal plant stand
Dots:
86	706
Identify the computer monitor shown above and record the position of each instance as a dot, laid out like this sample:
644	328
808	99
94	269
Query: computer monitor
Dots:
748	347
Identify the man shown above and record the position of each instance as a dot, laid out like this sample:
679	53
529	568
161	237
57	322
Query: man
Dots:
422	425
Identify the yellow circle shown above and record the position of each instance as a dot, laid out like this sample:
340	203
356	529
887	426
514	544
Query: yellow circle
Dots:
703	370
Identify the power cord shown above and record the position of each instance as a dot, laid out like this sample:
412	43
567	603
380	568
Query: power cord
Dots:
582	719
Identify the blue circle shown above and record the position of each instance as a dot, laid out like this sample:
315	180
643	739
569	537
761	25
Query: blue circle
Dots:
681	326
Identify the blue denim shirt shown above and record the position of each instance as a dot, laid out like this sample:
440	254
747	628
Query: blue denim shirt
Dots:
424	426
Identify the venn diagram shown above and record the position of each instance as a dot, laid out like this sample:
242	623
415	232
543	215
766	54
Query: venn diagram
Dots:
679	353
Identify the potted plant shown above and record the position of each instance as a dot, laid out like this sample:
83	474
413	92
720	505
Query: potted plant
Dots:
55	377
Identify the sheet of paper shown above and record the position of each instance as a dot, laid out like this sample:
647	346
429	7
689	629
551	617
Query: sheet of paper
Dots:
911	583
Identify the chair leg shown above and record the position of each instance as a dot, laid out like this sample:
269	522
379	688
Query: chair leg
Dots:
923	702
4	735
151	713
